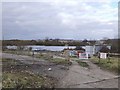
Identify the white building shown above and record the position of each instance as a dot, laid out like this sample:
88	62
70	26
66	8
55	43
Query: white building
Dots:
91	50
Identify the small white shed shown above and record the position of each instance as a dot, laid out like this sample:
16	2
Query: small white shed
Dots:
103	55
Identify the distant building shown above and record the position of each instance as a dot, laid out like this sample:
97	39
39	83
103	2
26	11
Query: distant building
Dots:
83	55
104	49
75	51
103	55
91	50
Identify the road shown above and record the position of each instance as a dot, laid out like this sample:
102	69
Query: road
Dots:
94	77
75	77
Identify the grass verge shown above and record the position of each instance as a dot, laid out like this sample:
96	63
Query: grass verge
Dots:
52	59
111	64
60	61
81	63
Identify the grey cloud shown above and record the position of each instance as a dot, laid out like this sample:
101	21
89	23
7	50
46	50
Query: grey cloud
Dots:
39	20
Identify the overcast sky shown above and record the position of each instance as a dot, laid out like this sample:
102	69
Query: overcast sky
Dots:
63	19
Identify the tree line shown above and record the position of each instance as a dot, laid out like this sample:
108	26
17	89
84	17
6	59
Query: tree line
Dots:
43	42
114	43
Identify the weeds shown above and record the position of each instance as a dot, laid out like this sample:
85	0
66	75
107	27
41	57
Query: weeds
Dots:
111	64
83	64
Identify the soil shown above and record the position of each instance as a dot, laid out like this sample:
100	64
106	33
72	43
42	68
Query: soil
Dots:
57	71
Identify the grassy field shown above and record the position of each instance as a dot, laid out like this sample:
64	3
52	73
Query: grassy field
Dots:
17	75
111	64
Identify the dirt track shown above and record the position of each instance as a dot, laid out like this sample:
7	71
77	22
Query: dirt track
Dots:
75	77
93	77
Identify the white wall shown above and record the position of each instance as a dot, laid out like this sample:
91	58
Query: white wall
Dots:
90	50
93	49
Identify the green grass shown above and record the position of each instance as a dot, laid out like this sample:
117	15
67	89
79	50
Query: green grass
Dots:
73	56
24	80
53	60
111	64
81	63
22	77
43	56
60	61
